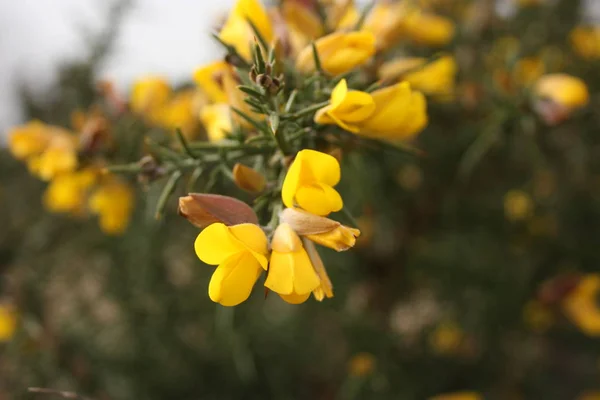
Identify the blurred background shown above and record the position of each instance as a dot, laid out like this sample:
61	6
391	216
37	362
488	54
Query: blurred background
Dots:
476	274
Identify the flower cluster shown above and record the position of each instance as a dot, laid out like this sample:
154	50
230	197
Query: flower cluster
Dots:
72	164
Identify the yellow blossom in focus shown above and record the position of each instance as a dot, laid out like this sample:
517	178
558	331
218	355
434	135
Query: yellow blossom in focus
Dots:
216	119
210	79
240	251
361	364
68	192
581	305
458	396
446	338
393	113
309	183
321	230
339	52
238	33
437	78
8	323
518	205
148	96
429	29
565	90
586	41
28	140
291	274
112	201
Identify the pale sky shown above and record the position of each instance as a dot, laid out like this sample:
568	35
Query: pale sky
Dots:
167	37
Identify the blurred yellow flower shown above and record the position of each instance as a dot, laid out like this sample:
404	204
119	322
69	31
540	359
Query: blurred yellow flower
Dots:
309	183
178	112
216	119
586	41
446	338
28	140
302	23
240	251
361	364
537	316
565	90
8	323
291	274
518	205
581	305
429	29
67	193
527	70
339	52
436	78
148	96
458	396
210	79
238	33
386	21
394	112
112	201
321	230
58	158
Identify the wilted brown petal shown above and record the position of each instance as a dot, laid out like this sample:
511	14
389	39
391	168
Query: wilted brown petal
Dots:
205	209
306	223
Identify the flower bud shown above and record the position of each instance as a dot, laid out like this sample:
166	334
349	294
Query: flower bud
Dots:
321	230
248	179
558	95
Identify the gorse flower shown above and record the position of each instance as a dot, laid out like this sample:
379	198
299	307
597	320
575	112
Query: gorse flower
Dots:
339	52
68	192
28	140
436	78
393	113
309	183
8	323
429	29
586	41
113	202
238	32
291	273
557	96
241	252
148	95
581	305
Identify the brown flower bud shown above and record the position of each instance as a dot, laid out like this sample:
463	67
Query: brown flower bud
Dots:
248	179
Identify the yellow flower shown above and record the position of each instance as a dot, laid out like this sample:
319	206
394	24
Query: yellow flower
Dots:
458	396
361	364
291	273
581	305
210	79
518	205
148	96
217	121
446	338
436	78
565	90
387	22
339	52
586	41
394	112
238	33
321	230
240	251
8	323
429	29
527	70
325	288
309	183
28	140
178	112
303	25
67	192
113	202
60	156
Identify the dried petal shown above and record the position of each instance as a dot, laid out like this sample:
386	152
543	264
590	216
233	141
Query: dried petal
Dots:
248	179
204	209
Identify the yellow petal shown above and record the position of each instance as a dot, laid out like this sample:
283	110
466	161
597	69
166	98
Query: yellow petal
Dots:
324	167
291	272
232	281
338	94
253	239
318	199
325	288
294	298
215	244
291	182
210	80
285	240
